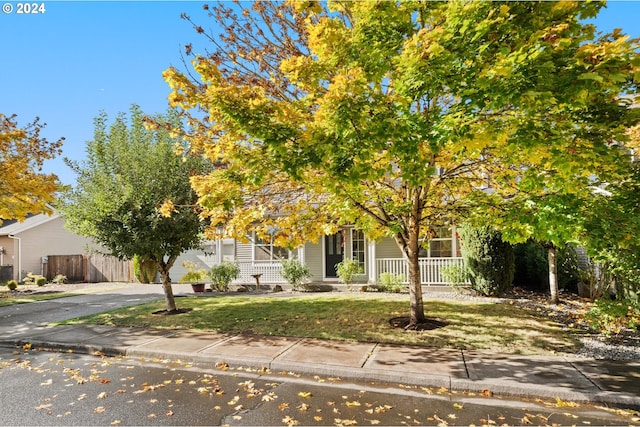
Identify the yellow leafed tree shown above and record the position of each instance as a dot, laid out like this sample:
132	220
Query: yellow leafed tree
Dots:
24	188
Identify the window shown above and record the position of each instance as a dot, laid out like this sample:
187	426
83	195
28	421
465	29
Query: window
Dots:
358	248
441	245
266	251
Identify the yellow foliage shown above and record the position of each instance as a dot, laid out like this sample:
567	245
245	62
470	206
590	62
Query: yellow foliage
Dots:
24	189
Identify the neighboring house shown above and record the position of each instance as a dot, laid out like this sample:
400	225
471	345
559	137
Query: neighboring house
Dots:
25	245
376	257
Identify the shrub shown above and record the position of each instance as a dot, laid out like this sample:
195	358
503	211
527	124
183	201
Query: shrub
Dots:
223	274
294	272
389	282
59	279
12	285
612	316
347	269
457	276
144	270
532	266
193	274
34	279
489	259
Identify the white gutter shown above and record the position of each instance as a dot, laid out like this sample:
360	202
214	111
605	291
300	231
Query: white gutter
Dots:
11	236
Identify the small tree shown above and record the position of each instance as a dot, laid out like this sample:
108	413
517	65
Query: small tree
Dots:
295	272
489	260
129	172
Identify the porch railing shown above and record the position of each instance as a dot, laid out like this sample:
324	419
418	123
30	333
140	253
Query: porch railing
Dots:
270	271
430	269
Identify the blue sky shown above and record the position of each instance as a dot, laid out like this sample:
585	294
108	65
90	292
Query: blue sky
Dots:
81	57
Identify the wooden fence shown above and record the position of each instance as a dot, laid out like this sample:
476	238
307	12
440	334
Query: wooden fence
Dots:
90	268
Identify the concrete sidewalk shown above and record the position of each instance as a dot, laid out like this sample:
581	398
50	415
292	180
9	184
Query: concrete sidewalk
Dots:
570	379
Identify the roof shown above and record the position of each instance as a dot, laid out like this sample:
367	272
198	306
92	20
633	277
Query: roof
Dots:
13	227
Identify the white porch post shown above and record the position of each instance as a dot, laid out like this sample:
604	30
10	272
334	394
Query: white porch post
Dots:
301	254
218	251
371	257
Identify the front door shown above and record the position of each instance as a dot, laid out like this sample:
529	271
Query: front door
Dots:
333	253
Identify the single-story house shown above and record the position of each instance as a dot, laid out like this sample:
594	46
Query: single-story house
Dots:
258	256
26	245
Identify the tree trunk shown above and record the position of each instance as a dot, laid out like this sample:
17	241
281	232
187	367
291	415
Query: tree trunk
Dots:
553	274
410	247
166	287
415	291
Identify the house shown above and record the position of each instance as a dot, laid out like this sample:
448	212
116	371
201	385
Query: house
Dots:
24	246
376	257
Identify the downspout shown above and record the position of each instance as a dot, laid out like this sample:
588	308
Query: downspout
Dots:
12	236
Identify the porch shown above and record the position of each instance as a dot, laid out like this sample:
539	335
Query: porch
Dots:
431	271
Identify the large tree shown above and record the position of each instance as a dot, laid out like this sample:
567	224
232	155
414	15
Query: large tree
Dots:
401	116
128	173
24	188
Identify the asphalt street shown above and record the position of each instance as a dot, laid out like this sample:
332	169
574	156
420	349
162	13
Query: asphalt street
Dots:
68	389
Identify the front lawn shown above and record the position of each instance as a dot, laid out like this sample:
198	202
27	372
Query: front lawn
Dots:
483	325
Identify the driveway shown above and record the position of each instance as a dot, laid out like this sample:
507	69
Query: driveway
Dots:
20	319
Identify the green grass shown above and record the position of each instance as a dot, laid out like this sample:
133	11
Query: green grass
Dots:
498	327
6	298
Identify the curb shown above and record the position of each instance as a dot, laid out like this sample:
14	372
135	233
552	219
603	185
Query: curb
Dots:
269	367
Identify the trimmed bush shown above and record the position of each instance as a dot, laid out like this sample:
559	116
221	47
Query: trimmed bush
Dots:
12	285
294	272
489	259
34	279
388	282
223	274
144	270
347	270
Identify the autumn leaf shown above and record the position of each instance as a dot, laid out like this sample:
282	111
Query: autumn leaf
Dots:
303	407
341	422
44	406
290	421
99	410
352	404
102	395
305	394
